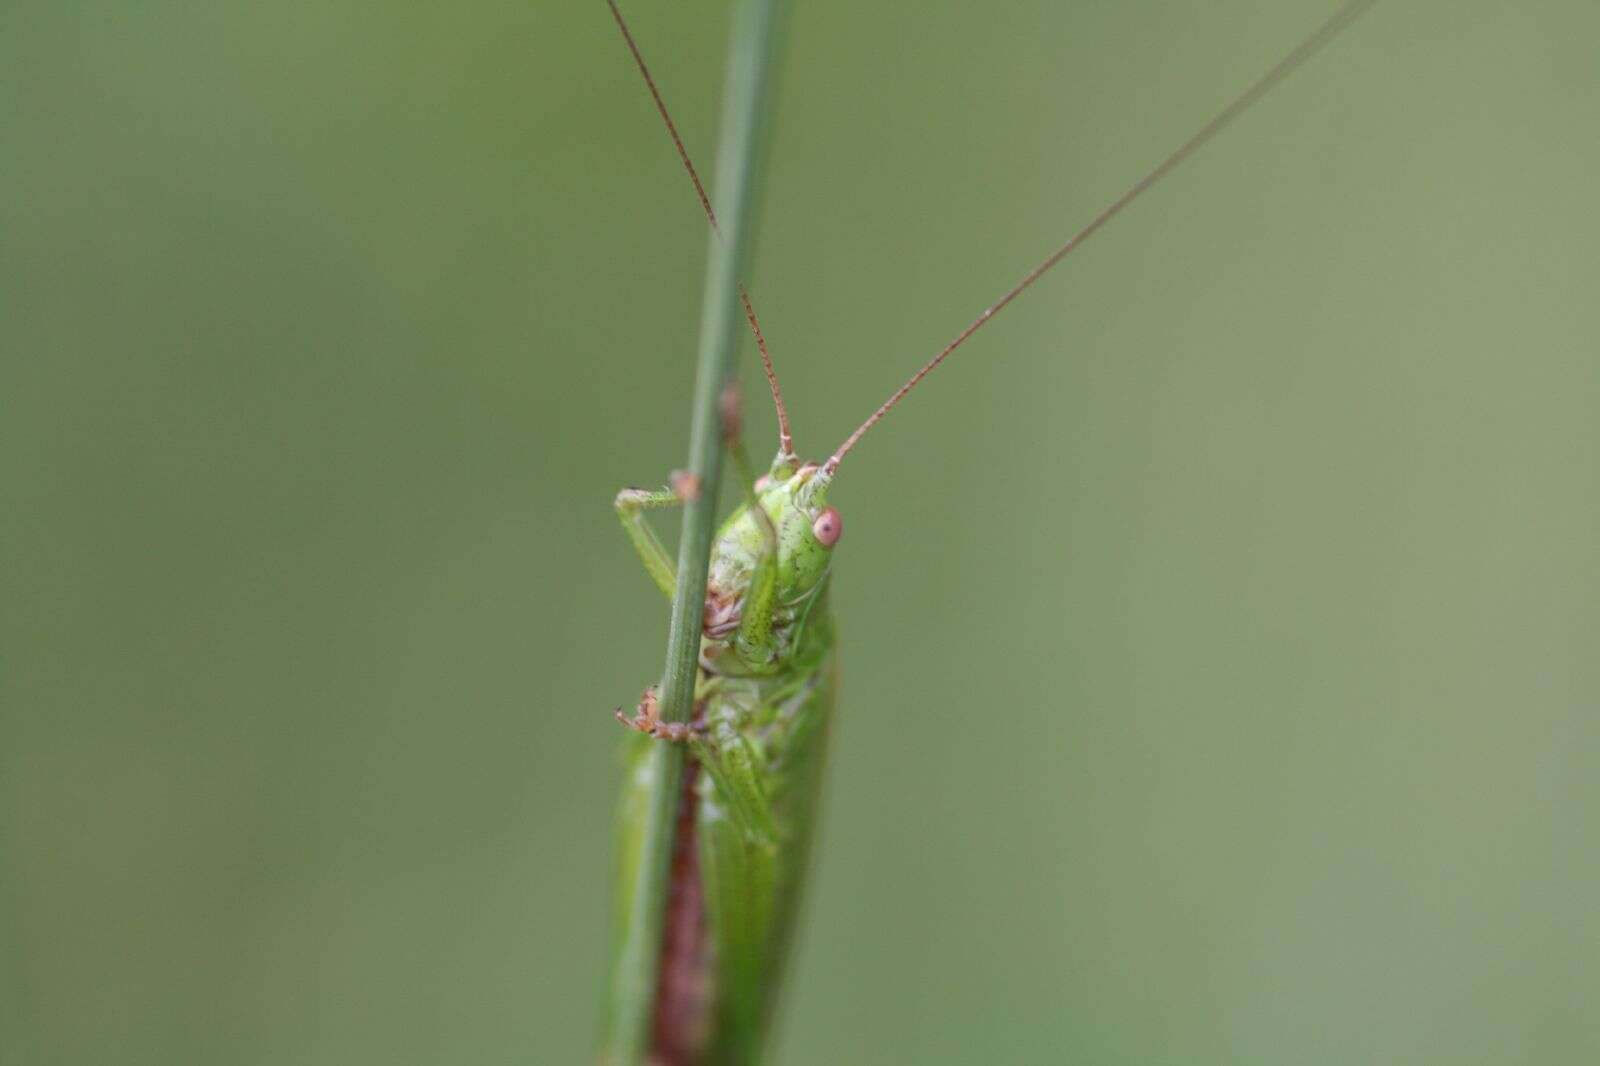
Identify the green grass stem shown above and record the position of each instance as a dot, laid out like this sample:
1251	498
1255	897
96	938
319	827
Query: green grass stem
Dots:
745	104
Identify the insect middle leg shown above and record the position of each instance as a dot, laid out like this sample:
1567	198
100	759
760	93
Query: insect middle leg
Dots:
647	719
735	766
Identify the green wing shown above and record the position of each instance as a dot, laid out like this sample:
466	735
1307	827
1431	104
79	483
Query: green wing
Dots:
752	881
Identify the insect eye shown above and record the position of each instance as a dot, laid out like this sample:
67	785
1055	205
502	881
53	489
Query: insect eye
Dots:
827	527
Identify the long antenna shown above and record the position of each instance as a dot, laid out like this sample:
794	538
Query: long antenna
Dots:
785	440
1324	33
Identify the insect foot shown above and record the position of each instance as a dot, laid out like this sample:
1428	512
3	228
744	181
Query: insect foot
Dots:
685	485
647	719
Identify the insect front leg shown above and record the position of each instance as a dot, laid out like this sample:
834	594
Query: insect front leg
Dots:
631	504
754	639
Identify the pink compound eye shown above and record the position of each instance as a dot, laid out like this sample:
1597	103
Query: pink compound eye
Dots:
827	527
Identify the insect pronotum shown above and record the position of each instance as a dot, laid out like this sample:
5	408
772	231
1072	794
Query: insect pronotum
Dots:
765	694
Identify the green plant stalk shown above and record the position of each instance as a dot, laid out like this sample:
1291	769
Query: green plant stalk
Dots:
745	105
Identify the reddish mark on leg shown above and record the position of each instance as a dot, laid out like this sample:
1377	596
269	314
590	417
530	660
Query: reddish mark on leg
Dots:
685	484
647	719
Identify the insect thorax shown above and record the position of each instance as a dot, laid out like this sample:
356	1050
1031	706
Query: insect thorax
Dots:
791	508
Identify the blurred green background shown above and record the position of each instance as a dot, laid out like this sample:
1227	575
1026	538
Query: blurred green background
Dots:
1220	627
